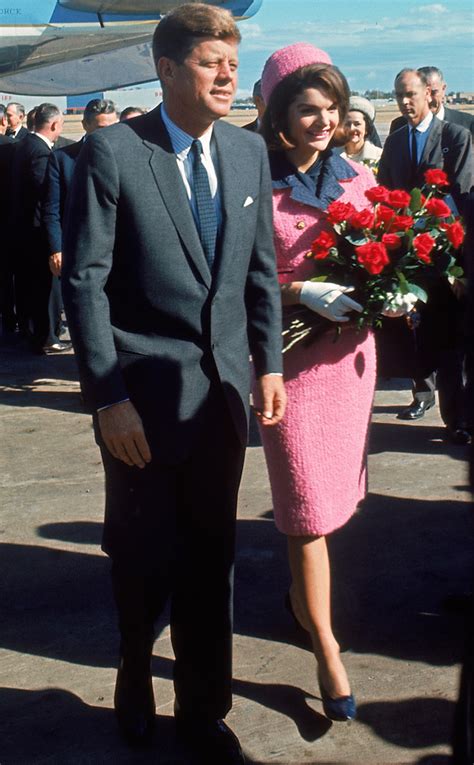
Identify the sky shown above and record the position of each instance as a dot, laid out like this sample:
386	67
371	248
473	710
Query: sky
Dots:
369	40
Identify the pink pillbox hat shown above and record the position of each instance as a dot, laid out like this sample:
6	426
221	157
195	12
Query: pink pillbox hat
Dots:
286	61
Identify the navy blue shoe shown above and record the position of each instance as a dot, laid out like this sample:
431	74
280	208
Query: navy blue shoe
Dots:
341	709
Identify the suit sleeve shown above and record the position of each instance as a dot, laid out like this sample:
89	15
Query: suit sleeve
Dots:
384	177
88	247
51	206
458	163
262	295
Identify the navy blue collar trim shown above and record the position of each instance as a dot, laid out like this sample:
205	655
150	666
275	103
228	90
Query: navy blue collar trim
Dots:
319	186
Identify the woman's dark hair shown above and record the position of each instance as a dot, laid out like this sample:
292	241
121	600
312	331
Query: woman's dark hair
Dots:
324	77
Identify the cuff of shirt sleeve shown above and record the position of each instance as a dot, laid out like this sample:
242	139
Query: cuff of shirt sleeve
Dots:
107	406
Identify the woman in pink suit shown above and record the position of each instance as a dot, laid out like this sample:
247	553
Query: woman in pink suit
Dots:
317	456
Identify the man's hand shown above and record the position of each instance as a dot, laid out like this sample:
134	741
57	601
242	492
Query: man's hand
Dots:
55	263
122	430
270	400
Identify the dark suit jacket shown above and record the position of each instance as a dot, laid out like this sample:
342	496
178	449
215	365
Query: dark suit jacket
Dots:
59	173
62	142
29	164
450	115
147	318
22	133
448	147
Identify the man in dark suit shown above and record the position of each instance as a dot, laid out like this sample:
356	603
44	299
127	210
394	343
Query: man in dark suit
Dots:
437	85
7	293
99	113
426	142
32	274
254	126
169	281
15	116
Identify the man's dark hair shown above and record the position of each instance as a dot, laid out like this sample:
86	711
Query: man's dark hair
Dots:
45	113
429	71
31	119
98	106
3	111
19	107
125	113
407	70
324	77
180	30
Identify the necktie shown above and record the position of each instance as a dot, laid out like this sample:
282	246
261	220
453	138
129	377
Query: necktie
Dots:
204	204
414	156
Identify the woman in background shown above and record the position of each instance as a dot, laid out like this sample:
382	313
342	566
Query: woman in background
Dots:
363	144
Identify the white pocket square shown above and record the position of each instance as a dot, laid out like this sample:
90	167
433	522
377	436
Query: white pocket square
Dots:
248	201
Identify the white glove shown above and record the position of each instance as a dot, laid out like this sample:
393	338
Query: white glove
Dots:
397	305
329	300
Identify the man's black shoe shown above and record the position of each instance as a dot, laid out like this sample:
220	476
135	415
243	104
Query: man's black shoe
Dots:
134	704
458	435
212	742
416	410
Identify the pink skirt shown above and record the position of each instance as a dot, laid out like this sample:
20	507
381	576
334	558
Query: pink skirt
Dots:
317	456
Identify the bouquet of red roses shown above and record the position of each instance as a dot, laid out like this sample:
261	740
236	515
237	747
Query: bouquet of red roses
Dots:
389	253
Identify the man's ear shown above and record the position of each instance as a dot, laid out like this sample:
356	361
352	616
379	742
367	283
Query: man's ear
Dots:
165	68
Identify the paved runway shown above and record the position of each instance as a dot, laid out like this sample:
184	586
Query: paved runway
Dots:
395	564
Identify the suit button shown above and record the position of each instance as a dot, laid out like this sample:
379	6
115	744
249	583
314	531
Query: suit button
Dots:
301	224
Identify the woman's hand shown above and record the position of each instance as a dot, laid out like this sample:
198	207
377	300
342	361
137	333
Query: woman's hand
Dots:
329	300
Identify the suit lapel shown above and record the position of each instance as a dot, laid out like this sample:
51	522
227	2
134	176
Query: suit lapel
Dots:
229	171
431	142
170	184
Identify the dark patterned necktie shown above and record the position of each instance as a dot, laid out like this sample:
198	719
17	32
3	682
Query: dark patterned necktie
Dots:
204	204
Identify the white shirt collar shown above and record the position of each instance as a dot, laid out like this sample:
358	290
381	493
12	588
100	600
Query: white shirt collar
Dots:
181	141
425	123
440	114
48	143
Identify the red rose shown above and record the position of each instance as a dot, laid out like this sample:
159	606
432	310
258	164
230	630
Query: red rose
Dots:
377	194
399	198
391	241
338	212
384	214
438	208
401	223
454	233
373	256
436	177
363	219
423	244
322	244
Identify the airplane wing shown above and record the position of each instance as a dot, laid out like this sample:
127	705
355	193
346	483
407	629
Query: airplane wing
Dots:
81	50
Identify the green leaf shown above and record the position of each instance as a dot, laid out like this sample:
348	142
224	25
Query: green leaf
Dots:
418	291
415	201
357	242
319	279
456	271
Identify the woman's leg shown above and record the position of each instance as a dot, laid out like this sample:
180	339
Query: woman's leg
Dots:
311	600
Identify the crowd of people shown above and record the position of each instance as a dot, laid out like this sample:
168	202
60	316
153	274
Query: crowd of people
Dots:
180	240
36	166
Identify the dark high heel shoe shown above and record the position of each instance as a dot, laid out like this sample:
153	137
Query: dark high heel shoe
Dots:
340	709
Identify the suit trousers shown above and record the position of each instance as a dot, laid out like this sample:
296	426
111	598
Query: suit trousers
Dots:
179	539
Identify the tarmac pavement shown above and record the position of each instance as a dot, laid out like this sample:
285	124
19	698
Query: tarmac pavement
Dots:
395	564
